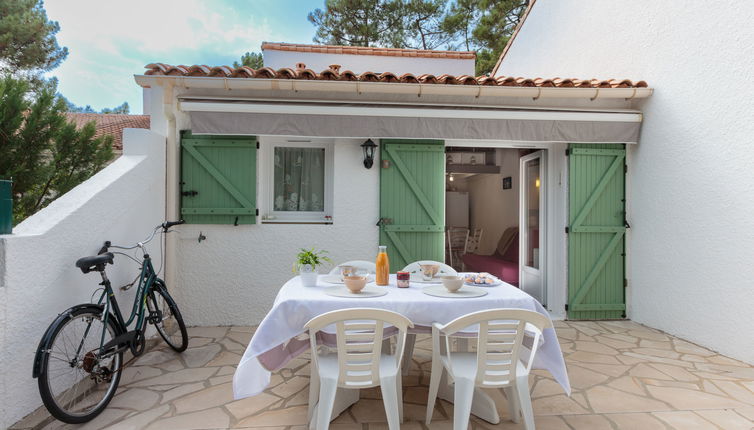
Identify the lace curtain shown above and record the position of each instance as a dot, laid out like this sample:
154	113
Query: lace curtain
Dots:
299	179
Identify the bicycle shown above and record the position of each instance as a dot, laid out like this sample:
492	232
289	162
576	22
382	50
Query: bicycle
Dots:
79	360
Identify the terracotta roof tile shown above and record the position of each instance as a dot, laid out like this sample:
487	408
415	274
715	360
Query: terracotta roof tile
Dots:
112	124
334	73
368	50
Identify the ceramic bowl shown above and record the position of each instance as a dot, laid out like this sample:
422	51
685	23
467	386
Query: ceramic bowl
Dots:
452	283
355	283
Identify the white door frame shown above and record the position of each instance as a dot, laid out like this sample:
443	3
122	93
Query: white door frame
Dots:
527	272
557	216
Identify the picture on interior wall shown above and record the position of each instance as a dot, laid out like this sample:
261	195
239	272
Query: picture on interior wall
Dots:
507	183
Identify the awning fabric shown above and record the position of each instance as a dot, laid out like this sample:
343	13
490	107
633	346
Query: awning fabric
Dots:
413	127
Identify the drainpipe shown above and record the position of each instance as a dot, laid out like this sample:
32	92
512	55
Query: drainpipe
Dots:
172	212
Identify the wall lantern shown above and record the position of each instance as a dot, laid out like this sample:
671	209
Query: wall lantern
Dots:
369	148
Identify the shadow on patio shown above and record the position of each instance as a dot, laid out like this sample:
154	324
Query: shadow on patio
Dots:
624	376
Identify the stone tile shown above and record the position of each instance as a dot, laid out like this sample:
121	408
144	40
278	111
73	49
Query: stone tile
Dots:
615	343
609	369
198	357
590	357
135	398
220	379
211	332
545	387
103	420
726	419
685	399
581	377
747	413
685	420
675	372
156	357
225	359
226	370
636	421
244	329
210	419
690	348
649	335
285	417
137	373
591	422
595	347
199	341
644	343
204	399
609	400
179	377
557	405
628	384
291	386
654	352
141	420
240	337
736	391
711	388
243	408
181	390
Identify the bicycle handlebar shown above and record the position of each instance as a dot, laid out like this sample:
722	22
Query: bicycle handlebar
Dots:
164	226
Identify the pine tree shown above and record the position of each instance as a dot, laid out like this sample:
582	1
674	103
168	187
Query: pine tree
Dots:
27	39
250	59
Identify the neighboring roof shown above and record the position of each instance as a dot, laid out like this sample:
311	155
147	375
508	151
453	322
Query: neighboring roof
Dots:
112	124
513	36
368	50
334	74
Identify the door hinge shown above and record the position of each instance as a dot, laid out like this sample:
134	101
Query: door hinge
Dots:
257	144
625	168
257	212
568	152
566	306
568	230
191	193
625	283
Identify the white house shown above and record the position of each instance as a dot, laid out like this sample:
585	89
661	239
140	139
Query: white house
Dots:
691	247
264	162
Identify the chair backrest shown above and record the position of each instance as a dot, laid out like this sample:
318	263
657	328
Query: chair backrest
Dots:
473	241
359	333
501	335
359	264
415	267
457	237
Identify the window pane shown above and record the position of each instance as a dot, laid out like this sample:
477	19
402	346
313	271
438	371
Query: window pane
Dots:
532	186
299	179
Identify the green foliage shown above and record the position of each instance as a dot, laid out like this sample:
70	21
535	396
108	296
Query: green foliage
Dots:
122	109
27	39
483	26
43	153
311	257
250	59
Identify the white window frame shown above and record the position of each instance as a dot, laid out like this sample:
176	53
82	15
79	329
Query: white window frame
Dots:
271	216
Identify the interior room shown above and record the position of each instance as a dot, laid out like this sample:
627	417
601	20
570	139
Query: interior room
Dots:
482	210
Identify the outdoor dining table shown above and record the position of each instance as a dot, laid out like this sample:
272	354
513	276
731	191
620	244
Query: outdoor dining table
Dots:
279	337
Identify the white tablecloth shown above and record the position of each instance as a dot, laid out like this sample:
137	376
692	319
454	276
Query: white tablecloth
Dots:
295	305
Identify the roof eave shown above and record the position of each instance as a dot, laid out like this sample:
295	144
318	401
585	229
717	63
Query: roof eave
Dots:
417	89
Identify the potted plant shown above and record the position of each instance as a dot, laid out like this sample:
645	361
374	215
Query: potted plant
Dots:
307	262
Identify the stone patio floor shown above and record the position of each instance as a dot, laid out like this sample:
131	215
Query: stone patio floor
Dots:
624	376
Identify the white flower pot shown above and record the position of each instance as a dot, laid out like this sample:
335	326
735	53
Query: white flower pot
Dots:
309	279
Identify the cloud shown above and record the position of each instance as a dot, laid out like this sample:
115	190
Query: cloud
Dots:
109	42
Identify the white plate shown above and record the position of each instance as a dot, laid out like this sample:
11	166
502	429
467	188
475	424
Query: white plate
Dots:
463	293
336	279
473	284
368	291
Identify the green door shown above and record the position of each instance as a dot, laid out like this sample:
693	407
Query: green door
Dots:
412	200
218	179
597	226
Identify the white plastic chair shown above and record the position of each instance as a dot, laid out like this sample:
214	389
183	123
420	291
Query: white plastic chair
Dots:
415	267
497	362
359	264
359	361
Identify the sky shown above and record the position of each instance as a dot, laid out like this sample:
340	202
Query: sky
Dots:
111	41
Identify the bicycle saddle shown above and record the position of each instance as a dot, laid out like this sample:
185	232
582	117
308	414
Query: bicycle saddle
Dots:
95	262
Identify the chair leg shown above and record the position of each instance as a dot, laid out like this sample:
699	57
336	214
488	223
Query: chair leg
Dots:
399	393
463	395
524	399
313	394
388	386
434	385
408	353
513	407
327	390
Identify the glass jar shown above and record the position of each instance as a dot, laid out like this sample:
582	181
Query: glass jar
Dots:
383	267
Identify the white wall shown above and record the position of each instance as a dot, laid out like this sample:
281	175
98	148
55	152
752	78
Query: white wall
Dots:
493	208
691	245
233	276
121	203
369	63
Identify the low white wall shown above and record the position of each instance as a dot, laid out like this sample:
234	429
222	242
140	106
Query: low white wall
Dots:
121	203
691	245
233	276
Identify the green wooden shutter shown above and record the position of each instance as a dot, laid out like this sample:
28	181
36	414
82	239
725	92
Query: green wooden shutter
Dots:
218	179
412	200
596	248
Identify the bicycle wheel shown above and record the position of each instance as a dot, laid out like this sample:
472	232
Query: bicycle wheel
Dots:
164	314
75	384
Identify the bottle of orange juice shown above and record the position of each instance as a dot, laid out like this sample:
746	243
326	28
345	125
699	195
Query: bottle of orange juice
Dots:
383	266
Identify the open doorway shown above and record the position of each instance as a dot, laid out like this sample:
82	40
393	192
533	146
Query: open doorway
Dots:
494	208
